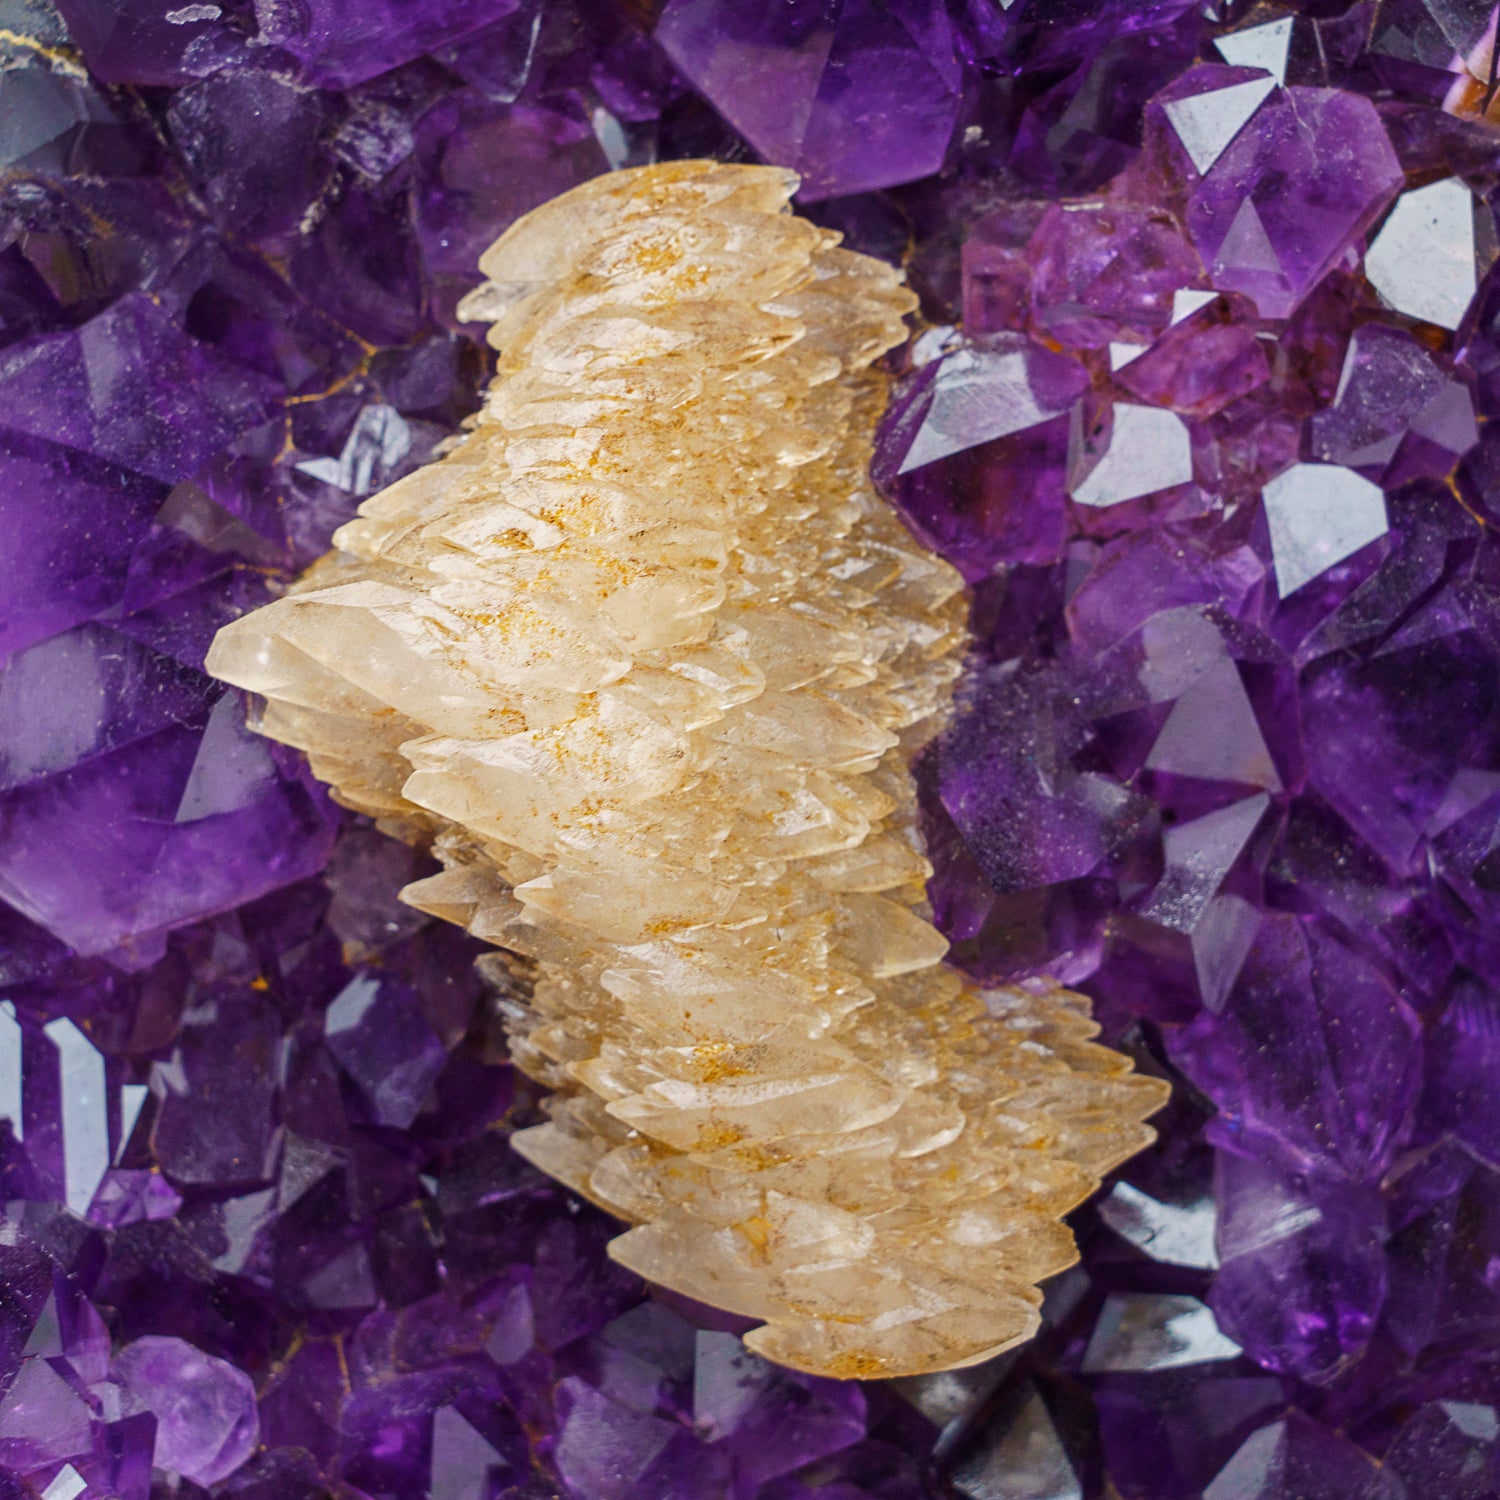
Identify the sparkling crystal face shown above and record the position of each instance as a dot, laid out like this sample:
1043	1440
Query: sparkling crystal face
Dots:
236	240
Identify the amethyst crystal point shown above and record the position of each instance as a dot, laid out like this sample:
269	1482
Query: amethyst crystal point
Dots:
853	96
131	387
1431	228
1285	199
1134	451
206	1423
1293	1459
1319	514
378	1034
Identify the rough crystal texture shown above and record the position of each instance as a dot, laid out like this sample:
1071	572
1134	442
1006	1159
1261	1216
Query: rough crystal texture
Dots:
411	1301
650	697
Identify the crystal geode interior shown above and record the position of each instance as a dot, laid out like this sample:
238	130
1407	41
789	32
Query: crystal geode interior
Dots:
644	658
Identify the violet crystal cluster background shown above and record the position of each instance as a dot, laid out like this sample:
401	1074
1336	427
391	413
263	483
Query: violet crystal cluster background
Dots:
1203	409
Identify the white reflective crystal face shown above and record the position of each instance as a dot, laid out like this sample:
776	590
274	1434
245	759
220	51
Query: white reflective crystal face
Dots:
1199	854
1207	123
1422	261
1120	355
1221	943
1259	47
1146	1331
462	1457
230	769
132	1102
949	1395
1187	300
1319	514
1212	734
1174	1234
67	1484
1028	1462
85	1113
978	396
1473	1419
1149	450
10	1069
378	441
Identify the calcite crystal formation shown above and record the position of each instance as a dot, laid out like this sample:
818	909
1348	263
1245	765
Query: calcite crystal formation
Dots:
644	658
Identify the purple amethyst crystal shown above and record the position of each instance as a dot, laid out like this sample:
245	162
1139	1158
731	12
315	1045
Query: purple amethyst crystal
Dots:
206	1423
1201	407
853	95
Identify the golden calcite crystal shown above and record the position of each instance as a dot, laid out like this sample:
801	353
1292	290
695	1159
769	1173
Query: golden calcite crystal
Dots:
643	658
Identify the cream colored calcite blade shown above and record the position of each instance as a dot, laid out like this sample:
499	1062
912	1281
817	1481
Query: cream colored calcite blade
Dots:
644	658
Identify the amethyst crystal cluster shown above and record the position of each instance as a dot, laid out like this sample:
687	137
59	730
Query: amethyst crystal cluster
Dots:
1204	412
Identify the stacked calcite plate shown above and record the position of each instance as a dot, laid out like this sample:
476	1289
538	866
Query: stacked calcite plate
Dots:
644	659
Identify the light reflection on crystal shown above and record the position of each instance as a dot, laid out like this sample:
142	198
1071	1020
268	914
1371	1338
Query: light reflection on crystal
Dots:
1292	1459
1248	1474
1390	388
1212	734
1207	123
133	1098
1221	942
464	1461
1422	260
1026	1461
232	767
1266	46
85	1113
241	1220
1472	1418
1147	450
948	1396
11	1070
1174	1234
1319	514
1199	854
42	1418
66	1484
978	396
1151	1331
1187	300
1180	646
378	441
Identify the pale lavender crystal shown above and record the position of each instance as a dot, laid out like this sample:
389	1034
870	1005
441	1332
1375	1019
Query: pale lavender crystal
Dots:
206	1422
43	1417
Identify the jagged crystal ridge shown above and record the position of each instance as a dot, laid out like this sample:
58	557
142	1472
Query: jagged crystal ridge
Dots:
643	658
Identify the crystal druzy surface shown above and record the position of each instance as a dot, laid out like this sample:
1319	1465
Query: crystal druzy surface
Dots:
643	659
1201	412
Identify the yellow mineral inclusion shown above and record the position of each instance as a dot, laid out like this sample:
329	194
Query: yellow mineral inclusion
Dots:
643	659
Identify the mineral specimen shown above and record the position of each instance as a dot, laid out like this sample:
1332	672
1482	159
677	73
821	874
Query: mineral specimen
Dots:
643	659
